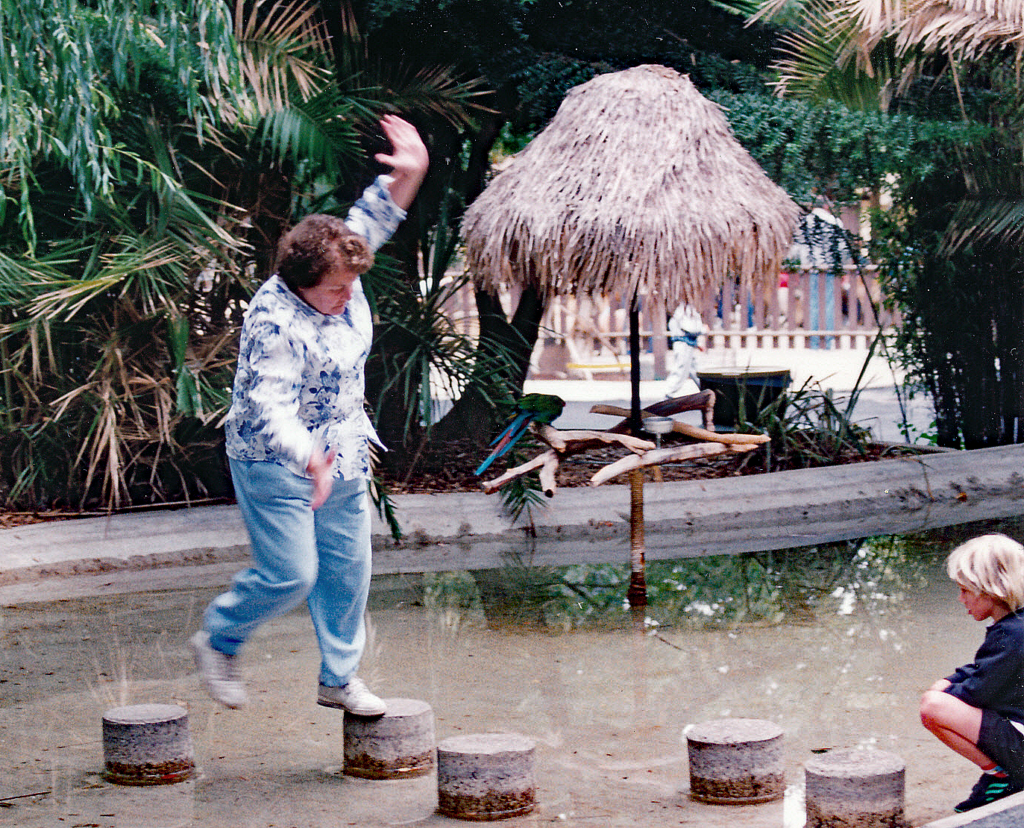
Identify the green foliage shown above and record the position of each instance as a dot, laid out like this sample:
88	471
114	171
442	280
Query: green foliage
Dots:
68	69
809	429
951	264
149	160
827	150
418	350
420	358
716	592
544	84
381	498
962	314
116	354
532	53
528	53
949	253
521	496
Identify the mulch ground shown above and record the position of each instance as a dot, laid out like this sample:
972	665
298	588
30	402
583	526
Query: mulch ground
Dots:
452	470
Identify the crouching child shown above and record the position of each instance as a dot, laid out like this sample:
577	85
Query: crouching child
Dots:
978	711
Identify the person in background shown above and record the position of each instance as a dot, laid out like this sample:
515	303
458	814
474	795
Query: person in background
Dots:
298	441
978	711
684	328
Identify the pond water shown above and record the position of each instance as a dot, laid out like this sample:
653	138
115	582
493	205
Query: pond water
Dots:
835	644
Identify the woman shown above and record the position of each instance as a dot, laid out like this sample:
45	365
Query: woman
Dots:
297	441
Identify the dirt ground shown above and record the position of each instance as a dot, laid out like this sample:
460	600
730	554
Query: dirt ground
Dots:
452	469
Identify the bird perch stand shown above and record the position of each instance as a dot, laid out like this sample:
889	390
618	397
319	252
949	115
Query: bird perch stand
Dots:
637	592
642	453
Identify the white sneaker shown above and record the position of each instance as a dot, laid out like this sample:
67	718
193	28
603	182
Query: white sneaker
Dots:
219	672
354	698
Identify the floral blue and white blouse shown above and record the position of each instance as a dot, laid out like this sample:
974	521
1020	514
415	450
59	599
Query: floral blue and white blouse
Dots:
300	381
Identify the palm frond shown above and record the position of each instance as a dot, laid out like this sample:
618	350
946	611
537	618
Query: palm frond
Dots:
997	220
841	49
150	271
381	87
18	275
434	89
780	12
285	51
829	57
318	131
965	29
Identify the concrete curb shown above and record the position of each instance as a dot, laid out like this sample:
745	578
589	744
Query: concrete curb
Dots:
1007	813
468	531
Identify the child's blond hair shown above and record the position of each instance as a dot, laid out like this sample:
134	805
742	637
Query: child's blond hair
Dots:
990	564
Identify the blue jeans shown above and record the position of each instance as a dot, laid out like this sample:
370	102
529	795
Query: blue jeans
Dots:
322	557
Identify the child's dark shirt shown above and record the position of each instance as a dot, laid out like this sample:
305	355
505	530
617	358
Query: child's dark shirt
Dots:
995	679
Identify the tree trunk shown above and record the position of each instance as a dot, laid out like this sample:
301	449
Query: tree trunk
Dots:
505	344
398	425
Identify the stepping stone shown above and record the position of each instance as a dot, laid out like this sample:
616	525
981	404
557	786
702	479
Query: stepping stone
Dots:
854	788
398	744
147	744
486	776
736	762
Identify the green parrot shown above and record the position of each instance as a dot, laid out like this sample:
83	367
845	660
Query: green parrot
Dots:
540	408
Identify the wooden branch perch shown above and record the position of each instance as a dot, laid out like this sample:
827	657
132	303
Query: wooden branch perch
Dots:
568	443
547	473
695	432
562	441
704	400
664	455
548	458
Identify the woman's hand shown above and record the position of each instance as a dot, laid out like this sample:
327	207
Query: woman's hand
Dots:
408	159
321	467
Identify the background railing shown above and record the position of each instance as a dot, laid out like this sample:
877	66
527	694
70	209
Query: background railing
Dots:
583	336
810	309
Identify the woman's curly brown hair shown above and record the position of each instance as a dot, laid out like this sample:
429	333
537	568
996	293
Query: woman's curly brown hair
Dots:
317	245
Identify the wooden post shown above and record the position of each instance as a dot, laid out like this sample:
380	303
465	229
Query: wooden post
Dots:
635	423
659	337
637	592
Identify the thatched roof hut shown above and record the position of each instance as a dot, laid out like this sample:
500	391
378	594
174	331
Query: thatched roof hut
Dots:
637	184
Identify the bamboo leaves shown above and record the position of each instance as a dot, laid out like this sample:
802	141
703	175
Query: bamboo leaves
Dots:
66	69
113	126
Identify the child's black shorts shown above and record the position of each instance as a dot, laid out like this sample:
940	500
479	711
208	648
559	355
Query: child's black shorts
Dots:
1001	742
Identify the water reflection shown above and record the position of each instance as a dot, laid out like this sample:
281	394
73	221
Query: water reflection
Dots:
796	586
835	643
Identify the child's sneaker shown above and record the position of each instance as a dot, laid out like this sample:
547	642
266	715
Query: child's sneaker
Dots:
988	789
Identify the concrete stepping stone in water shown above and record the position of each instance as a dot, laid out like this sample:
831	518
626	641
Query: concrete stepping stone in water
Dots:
736	762
398	744
147	744
486	776
855	788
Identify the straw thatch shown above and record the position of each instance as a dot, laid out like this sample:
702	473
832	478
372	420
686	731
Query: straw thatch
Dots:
636	184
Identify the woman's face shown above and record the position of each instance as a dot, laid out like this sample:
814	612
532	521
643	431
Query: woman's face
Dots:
332	293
